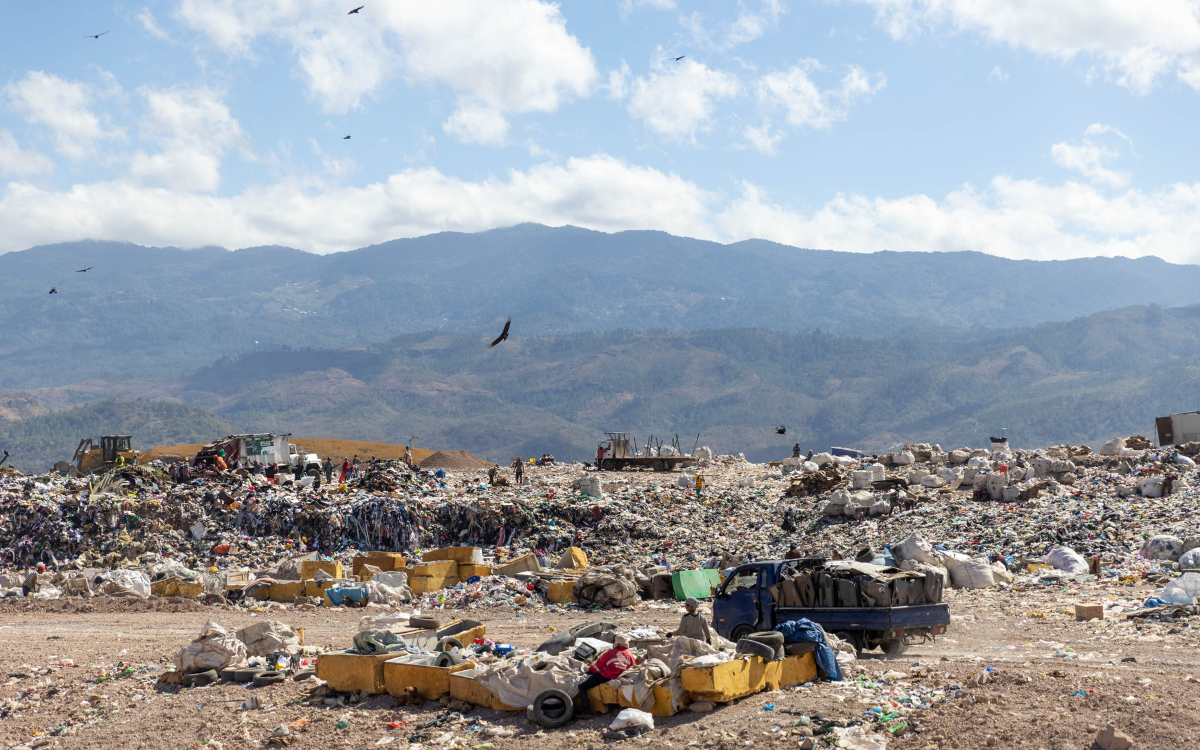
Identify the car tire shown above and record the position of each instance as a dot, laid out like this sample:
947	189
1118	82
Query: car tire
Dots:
590	629
448	643
427	623
447	659
553	708
200	679
246	675
756	648
227	674
304	674
262	679
771	638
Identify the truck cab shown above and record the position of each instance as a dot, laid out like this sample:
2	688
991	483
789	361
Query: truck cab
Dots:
744	604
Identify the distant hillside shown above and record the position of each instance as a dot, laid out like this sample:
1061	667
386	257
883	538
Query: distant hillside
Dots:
156	311
35	444
1080	381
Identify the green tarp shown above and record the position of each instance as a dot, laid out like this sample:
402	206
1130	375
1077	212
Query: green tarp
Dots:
697	583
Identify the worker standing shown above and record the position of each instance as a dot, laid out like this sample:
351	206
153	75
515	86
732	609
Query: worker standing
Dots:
796	451
31	584
699	486
407	456
693	625
328	467
519	466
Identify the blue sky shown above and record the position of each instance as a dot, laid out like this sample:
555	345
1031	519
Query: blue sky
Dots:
1048	129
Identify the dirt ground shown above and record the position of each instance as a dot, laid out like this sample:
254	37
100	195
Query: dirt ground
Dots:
1136	676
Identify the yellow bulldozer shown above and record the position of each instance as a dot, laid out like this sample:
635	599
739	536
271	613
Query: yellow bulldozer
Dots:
112	451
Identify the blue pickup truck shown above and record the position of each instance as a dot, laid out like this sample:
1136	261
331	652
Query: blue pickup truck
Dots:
744	604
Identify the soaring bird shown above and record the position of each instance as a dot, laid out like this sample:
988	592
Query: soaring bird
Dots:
503	334
356	10
95	36
680	58
346	138
54	290
85	270
781	430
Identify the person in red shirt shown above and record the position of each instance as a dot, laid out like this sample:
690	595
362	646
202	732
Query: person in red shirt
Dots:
611	665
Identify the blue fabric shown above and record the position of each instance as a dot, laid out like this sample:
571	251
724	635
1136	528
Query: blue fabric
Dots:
807	630
339	594
1154	601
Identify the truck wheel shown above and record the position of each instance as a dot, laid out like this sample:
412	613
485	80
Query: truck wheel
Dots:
740	632
895	648
660	465
853	640
608	464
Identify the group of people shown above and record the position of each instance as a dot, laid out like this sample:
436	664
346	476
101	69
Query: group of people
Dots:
183	471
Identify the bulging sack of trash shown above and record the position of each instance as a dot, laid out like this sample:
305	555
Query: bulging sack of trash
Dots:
958	456
880	508
1065	558
856	738
129	582
590	486
834	509
703	453
977	463
1001	574
1182	590
822	458
214	648
1112	447
902	458
686	479
915	547
974	573
808	467
862	479
932	481
1184	461
1190	559
1151	487
395	578
1162	547
839	497
269	637
379	593
746	482
630	718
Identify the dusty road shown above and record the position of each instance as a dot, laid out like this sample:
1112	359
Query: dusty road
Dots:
1055	682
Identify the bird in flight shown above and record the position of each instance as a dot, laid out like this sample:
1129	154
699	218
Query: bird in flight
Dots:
781	430
680	58
85	270
356	10
503	334
346	138
54	290
95	36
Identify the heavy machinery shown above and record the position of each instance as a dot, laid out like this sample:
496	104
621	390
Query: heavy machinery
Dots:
614	454
91	457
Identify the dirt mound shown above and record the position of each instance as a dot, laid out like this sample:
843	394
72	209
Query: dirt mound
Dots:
461	460
8	471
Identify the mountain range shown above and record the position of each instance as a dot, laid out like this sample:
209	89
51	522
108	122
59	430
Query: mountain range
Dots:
149	312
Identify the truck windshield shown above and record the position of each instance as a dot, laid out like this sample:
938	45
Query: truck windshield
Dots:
742	579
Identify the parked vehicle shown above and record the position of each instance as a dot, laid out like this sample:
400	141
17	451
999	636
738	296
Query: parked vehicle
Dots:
744	603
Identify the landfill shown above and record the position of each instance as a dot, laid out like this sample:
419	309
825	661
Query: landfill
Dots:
1060	537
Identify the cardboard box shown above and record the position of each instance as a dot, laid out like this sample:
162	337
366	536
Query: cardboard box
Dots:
351	673
386	562
309	568
561	592
526	562
459	555
1089	611
433	683
436	568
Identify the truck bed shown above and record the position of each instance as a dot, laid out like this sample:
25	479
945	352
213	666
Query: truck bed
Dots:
878	618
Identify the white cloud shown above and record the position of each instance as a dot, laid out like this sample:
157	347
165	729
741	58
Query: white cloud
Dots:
761	138
511	55
151	26
677	99
998	75
1089	157
1011	218
804	104
750	26
475	123
62	106
599	192
194	129
19	162
1135	43
628	6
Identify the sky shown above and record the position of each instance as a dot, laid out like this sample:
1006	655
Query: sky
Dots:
1042	129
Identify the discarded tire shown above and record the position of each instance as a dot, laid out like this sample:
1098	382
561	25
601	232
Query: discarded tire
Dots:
199	679
424	622
552	709
447	659
246	675
227	674
448	643
262	679
591	629
304	674
557	643
757	648
769	637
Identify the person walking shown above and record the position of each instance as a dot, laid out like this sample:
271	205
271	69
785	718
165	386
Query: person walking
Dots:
328	467
345	470
519	467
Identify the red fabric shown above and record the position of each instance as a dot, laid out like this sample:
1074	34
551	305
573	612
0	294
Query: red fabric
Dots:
613	663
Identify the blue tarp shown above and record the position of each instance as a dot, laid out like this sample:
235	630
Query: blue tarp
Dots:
803	629
338	594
